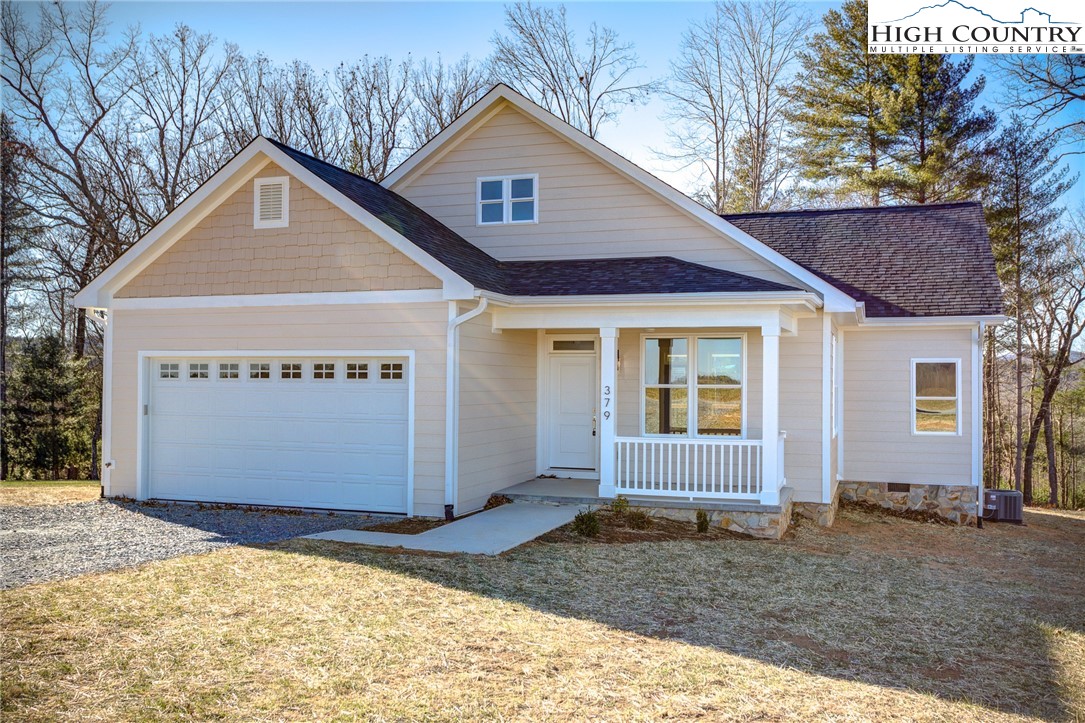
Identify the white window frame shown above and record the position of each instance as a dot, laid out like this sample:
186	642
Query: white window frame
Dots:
259	183
957	398
506	199
691	384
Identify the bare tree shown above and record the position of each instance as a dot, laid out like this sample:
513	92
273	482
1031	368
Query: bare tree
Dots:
375	97
1056	321
727	96
540	57
292	104
701	109
765	39
66	85
1048	89
177	83
441	94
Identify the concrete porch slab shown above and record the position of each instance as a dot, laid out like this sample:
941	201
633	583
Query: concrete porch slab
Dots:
586	492
487	533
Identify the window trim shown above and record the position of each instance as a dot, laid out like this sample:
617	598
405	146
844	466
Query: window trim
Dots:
258	183
957	398
691	384
506	199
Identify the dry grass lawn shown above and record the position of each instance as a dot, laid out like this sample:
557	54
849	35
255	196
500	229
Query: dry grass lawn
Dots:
876	618
51	492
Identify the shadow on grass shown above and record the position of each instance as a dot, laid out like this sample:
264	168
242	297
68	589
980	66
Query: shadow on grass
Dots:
932	620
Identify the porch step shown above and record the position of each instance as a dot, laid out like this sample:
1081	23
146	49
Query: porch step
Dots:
580	492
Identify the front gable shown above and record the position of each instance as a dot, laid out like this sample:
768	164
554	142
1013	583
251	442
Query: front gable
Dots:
320	250
586	209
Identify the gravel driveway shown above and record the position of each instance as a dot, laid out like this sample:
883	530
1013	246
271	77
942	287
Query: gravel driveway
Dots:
50	542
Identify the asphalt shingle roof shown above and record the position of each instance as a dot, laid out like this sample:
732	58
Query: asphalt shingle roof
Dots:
571	277
930	260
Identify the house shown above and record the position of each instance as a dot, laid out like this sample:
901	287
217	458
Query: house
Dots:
516	300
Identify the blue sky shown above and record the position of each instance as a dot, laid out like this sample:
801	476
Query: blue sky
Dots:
327	33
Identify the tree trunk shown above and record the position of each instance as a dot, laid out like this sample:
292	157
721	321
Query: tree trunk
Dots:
1052	464
1019	370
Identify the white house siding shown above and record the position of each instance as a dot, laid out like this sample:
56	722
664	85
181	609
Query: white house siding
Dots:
497	410
878	439
801	410
585	209
420	327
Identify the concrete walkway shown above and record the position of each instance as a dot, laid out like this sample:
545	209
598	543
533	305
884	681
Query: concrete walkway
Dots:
487	533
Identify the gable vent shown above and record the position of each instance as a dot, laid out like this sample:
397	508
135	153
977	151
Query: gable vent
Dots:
271	203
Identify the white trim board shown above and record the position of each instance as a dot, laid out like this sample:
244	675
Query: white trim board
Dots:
233	301
501	94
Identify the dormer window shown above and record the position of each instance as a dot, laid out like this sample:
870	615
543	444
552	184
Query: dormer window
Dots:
271	202
508	199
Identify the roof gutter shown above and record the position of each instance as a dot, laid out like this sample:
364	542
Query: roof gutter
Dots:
929	321
808	299
452	402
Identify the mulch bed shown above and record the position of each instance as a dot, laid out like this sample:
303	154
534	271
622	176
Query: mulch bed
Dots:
614	530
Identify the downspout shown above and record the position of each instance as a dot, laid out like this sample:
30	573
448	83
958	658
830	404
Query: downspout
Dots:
452	402
977	418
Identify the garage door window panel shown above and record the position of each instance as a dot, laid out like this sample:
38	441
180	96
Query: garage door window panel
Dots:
290	370
261	370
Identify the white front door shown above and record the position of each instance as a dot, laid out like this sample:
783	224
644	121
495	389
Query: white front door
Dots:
572	408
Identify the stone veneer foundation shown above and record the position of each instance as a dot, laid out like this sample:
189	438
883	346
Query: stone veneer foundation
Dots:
956	503
820	513
765	522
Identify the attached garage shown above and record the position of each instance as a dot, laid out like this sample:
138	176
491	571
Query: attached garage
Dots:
331	432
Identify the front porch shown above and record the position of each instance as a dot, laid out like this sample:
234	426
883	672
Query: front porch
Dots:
574	491
748	517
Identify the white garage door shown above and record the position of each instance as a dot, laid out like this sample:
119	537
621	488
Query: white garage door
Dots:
329	432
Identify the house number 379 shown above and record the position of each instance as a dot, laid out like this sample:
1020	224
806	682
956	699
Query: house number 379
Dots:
606	402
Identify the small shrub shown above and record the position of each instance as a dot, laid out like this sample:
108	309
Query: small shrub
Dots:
586	523
638	520
620	506
702	521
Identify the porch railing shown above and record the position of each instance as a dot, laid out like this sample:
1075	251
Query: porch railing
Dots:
691	468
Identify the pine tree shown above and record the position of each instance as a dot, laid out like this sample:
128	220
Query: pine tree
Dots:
941	140
1022	212
47	419
842	130
18	228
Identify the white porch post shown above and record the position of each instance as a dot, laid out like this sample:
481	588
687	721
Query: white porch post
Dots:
606	411
770	415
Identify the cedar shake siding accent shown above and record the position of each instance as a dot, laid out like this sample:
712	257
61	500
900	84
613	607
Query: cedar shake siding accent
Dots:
585	209
322	250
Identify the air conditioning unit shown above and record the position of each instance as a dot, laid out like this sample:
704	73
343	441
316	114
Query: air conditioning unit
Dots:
1003	506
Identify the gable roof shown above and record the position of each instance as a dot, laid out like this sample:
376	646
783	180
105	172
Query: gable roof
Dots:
900	261
501	94
574	277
